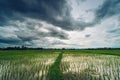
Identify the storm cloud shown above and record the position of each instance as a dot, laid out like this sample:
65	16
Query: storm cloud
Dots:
29	31
54	12
43	22
108	9
39	9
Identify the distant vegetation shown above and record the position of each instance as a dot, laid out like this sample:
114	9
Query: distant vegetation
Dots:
40	48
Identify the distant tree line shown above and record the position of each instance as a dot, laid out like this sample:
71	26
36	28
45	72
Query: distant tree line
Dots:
105	48
30	48
20	48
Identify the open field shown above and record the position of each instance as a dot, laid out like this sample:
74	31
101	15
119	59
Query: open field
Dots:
60	65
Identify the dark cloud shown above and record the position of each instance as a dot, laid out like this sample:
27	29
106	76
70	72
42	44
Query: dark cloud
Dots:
9	40
40	9
57	42
115	33
108	9
53	12
87	35
115	30
30	32
33	34
57	33
35	20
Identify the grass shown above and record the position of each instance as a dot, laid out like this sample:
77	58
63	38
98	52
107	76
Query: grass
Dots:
59	64
54	71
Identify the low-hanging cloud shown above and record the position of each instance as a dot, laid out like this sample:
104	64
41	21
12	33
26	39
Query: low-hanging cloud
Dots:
30	31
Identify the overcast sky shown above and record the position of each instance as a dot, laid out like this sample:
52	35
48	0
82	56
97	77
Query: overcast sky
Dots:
60	23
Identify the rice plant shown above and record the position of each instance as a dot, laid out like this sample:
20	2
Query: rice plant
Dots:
34	68
59	65
90	67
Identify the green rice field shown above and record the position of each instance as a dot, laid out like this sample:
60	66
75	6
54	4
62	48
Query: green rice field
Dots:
60	65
